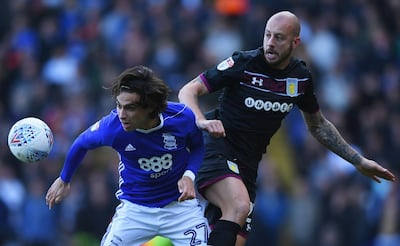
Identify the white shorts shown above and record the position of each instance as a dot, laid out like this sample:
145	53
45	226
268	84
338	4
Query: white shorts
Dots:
133	225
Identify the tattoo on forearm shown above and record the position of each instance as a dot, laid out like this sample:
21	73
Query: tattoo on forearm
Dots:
326	133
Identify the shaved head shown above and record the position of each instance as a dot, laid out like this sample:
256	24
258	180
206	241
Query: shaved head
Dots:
289	20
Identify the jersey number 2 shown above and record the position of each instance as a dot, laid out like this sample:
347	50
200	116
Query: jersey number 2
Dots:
194	241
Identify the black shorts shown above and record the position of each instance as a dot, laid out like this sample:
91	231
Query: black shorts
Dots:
220	162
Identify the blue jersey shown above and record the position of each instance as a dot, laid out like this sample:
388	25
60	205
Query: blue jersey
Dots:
151	161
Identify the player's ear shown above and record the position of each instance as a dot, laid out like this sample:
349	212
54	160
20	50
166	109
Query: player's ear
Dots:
296	41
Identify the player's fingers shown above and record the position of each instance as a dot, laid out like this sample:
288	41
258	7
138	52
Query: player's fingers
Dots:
388	175
53	197
217	134
190	193
215	128
182	197
186	194
50	202
49	197
384	174
180	186
191	196
218	128
58	199
375	178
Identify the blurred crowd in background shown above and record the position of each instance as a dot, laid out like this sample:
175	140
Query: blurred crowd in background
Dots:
56	57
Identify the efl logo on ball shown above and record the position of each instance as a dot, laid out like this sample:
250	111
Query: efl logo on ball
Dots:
30	140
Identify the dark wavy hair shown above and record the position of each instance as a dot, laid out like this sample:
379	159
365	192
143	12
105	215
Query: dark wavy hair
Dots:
152	90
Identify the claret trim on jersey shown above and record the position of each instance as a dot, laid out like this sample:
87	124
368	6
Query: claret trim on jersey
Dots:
285	86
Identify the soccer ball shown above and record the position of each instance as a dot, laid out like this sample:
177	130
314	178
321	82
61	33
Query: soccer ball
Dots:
158	241
30	140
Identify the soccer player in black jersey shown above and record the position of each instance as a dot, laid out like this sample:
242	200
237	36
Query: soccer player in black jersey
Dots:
261	87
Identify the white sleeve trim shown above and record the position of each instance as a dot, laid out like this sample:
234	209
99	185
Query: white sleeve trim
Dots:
189	174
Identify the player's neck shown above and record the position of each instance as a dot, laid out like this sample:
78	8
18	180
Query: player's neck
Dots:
152	123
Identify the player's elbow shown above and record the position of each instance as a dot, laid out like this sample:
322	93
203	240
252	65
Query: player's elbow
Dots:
183	92
193	89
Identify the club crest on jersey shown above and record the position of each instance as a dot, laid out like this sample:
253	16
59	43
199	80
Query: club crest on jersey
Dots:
225	64
233	166
169	141
292	86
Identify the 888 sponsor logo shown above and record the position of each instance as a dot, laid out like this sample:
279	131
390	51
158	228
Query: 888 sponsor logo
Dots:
268	105
160	165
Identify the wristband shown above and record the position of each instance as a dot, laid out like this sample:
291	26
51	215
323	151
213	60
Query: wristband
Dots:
189	174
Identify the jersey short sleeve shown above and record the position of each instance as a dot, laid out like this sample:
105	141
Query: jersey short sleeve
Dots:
224	73
308	101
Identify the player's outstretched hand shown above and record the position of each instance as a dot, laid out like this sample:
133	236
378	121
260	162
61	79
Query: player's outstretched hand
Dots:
57	192
373	170
186	188
214	127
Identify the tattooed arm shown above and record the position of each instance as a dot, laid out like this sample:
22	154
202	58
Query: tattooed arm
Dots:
327	134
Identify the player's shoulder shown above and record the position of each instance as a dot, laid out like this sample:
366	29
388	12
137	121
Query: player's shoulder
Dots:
177	109
179	117
239	60
175	106
111	117
111	120
247	54
299	67
108	125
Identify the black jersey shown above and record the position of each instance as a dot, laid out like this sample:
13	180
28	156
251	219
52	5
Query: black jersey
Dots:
256	98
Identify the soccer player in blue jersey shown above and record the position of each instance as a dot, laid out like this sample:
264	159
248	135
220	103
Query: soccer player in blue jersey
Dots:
160	149
260	87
